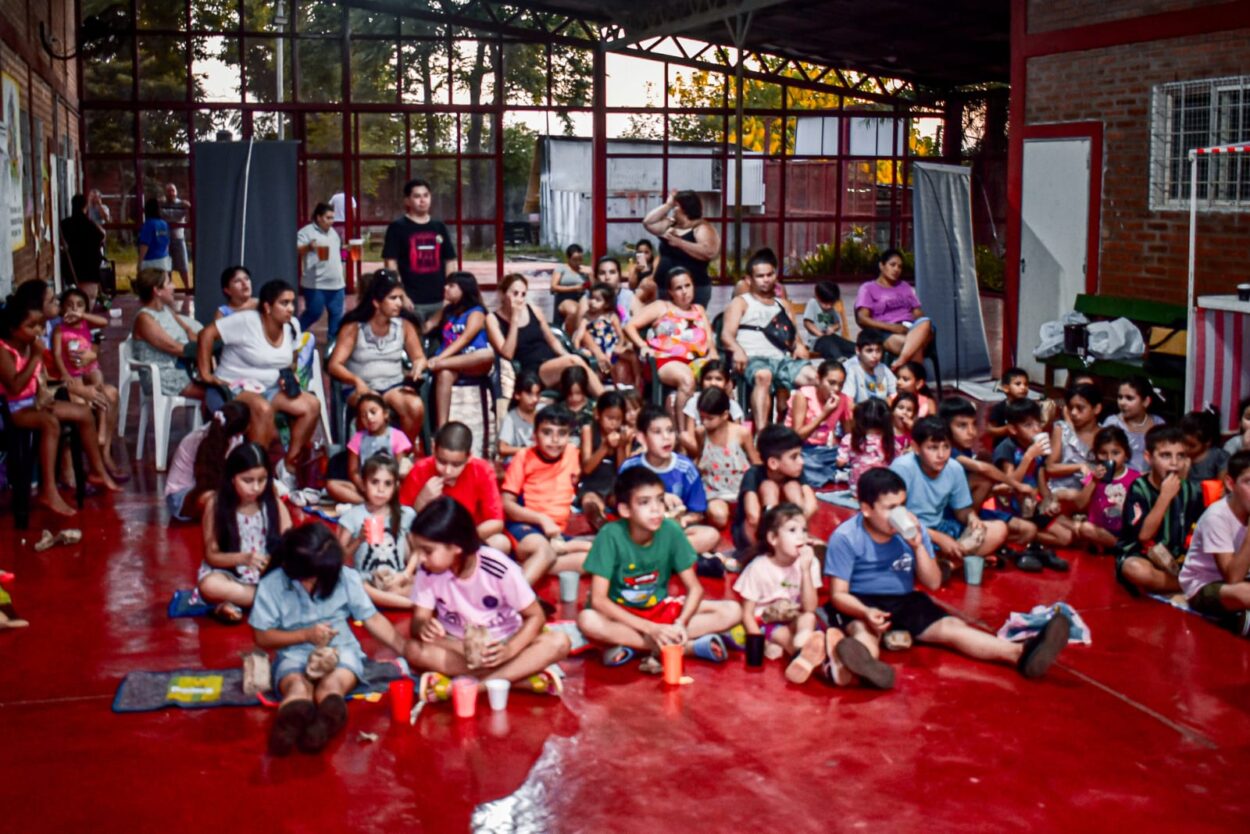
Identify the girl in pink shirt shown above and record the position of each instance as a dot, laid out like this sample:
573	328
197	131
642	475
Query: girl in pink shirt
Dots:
472	602
871	443
820	415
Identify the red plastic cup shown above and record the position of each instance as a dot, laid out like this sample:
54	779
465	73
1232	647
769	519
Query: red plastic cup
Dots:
464	696
401	692
375	525
670	656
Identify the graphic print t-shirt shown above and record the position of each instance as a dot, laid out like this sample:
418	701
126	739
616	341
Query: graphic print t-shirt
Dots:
420	250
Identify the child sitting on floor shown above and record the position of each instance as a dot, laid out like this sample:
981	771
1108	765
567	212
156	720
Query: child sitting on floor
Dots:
1161	509
464	588
453	471
516	432
1216	575
376	533
376	435
903	413
725	451
630	564
867	376
871	442
603	452
1014	383
1202	436
912	379
1019	455
711	375
961	419
243	521
684	494
820	415
778	478
938	496
1072	442
195	472
574	387
1240	440
778	589
538	492
1106	486
302	609
1134	398
874	571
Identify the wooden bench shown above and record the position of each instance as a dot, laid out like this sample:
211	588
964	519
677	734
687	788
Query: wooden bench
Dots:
1145	314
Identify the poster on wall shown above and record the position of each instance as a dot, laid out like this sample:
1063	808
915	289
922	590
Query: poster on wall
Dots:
13	173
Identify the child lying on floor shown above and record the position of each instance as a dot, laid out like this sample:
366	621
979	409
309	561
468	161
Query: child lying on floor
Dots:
475	613
303	611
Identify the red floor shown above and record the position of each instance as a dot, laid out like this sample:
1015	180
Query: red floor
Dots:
1146	730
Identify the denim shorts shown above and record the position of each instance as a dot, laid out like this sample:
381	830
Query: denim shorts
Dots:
173	503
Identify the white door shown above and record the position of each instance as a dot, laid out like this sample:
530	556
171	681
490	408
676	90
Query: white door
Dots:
1053	237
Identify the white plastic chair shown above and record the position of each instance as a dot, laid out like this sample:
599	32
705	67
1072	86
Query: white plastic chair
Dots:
162	407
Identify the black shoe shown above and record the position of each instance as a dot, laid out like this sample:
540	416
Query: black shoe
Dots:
710	567
330	720
1029	563
293	718
947	569
1047	557
856	657
1041	649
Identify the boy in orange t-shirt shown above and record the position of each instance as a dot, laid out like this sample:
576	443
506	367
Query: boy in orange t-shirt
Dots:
538	492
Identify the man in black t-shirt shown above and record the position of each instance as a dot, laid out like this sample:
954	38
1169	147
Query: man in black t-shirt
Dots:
420	249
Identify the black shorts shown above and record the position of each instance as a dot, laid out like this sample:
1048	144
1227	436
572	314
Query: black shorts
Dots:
912	612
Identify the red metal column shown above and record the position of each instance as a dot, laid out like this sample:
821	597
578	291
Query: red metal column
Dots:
497	115
1015	181
599	150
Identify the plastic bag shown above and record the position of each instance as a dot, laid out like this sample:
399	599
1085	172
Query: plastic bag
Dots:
1050	336
1118	339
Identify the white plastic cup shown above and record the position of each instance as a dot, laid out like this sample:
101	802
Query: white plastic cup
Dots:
1044	439
568	585
903	523
497	693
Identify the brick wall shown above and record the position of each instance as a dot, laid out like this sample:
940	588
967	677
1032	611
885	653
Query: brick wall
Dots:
49	94
1143	253
1050	15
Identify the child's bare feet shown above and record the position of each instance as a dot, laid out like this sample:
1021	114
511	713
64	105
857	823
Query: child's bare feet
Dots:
812	653
105	481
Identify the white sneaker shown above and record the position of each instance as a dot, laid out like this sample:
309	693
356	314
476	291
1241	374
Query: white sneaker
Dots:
285	477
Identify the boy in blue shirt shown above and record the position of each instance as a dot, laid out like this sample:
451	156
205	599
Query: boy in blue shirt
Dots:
874	572
686	499
1020	456
938	495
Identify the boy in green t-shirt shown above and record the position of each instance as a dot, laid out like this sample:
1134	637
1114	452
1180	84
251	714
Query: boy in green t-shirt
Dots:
630	565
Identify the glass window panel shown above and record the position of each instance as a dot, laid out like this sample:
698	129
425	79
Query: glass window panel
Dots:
432	133
477	133
208	123
261	60
374	77
634	82
110	131
634	184
164	131
156	173
381	189
858	188
811	187
323	132
815	135
477	189
808	249
873	136
924	137
803	99
116	181
320	70
317	17
162	68
261	15
572	74
161	14
324	178
380	132
424	71
525	74
215	14
474	81
270	126
110	73
478	255
216	70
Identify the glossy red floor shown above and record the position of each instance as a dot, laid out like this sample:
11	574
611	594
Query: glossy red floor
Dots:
1146	730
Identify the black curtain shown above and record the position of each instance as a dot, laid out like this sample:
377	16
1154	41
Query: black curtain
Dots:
221	169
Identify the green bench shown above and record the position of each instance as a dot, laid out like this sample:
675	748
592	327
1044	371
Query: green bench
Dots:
1145	314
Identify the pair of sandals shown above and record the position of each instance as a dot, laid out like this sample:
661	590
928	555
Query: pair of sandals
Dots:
709	647
716	565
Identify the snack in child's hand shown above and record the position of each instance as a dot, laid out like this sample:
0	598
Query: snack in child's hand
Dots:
321	662
256	673
476	639
973	538
781	611
381	575
673	505
896	641
1162	559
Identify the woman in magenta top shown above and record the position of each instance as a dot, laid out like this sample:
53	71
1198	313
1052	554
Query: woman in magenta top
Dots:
889	305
